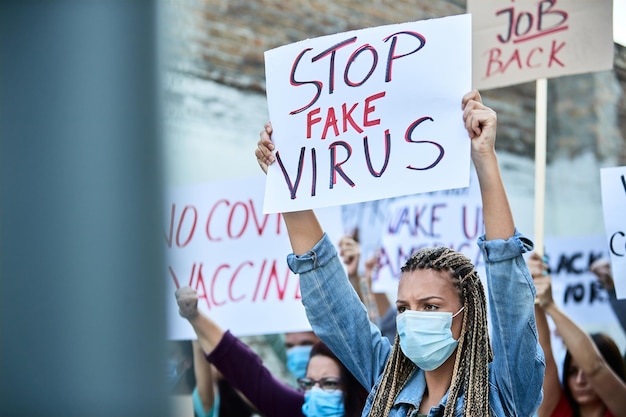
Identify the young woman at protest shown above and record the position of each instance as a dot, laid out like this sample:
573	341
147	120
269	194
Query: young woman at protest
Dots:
593	369
328	390
442	361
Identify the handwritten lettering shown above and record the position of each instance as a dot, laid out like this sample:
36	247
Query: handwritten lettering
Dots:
417	220
225	220
337	161
533	58
347	120
575	263
413	39
523	25
245	282
617	243
478	227
187	220
579	294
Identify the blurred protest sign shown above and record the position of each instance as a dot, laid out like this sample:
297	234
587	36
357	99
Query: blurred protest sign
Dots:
614	208
219	243
451	218
524	40
369	114
527	40
576	290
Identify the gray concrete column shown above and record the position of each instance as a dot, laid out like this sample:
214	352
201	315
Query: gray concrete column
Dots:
81	278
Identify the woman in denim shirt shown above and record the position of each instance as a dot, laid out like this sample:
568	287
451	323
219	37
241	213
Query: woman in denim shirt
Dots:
442	362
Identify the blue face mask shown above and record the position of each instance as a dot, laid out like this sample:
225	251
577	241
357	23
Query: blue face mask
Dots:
320	403
426	337
297	360
173	376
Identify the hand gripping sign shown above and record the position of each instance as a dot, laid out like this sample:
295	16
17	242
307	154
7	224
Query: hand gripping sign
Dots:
369	114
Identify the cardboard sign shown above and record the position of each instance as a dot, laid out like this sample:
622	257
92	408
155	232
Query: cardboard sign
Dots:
369	114
524	40
614	208
219	243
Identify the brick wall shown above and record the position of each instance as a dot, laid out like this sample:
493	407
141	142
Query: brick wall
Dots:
224	41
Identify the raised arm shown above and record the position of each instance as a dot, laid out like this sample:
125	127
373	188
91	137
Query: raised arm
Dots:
510	288
208	332
302	226
332	306
205	382
551	384
480	122
604	381
239	365
377	304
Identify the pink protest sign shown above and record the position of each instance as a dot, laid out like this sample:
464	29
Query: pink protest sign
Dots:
524	40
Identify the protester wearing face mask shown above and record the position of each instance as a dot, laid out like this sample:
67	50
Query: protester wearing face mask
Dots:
442	362
327	390
180	378
298	345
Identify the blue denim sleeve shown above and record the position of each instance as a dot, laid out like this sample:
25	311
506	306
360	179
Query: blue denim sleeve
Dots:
336	313
518	366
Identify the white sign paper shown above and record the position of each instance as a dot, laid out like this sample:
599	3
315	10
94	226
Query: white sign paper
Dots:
577	291
451	218
220	243
369	114
614	208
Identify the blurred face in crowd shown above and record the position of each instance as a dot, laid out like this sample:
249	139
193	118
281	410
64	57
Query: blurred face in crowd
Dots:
300	339
299	346
581	389
323	388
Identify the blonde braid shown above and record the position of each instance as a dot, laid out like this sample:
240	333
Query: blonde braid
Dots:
397	371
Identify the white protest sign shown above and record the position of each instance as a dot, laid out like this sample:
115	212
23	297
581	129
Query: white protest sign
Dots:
614	209
451	218
219	243
576	290
525	40
369	114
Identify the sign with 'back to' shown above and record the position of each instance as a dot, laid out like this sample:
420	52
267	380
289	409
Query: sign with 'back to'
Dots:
369	114
524	40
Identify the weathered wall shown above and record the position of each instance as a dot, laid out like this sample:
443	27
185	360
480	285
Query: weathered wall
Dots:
224	41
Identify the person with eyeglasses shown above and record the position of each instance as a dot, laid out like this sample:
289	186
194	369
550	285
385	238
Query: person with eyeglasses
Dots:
442	362
327	390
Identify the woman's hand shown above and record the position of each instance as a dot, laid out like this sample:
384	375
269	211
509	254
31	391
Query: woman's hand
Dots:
350	252
265	147
536	265
481	123
187	299
543	283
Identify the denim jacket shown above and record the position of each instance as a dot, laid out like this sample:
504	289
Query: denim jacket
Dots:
341	321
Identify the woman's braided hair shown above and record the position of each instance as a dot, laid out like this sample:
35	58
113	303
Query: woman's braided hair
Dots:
471	368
